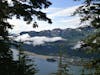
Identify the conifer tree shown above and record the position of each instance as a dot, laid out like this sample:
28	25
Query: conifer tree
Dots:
18	8
25	65
90	11
63	67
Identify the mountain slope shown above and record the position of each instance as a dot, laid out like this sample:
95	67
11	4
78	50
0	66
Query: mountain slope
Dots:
71	38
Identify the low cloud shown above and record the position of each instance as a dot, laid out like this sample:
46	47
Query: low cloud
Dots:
78	45
37	40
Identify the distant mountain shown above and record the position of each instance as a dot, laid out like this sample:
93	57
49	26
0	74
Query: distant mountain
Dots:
65	33
71	38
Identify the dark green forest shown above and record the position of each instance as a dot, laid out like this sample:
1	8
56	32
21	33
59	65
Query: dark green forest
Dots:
19	9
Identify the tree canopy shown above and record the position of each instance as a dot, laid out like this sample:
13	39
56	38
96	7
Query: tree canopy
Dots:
16	8
90	11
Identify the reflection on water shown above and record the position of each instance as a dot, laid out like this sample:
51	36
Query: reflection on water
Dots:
47	68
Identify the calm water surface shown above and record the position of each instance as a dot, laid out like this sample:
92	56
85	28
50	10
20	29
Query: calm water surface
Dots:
47	68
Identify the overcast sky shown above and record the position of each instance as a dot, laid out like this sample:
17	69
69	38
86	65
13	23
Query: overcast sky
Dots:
60	12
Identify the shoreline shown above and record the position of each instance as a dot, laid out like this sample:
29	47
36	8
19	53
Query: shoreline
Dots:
38	55
69	61
72	61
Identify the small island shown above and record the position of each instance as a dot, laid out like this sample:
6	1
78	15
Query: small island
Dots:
51	60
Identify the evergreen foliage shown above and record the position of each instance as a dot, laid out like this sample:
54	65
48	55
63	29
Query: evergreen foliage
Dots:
63	68
18	8
25	64
90	11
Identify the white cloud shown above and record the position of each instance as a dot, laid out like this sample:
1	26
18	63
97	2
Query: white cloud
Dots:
72	20
37	40
78	45
59	16
51	10
19	25
64	12
9	1
23	38
41	40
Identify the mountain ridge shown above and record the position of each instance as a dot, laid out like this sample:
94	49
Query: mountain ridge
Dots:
73	36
